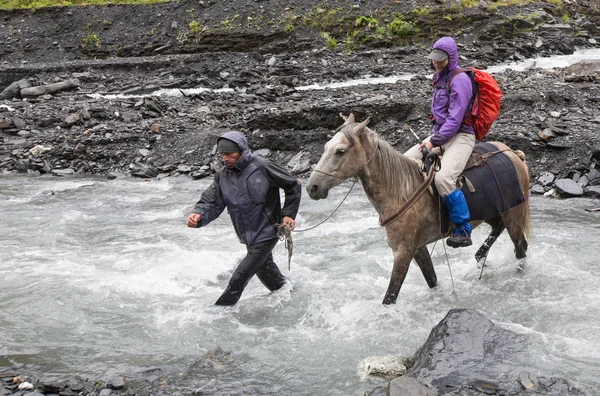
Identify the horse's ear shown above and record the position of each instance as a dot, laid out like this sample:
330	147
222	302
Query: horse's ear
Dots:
348	120
360	127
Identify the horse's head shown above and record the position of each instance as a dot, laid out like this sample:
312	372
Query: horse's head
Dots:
343	157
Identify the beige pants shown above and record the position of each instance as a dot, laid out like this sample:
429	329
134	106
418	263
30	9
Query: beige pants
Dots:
455	154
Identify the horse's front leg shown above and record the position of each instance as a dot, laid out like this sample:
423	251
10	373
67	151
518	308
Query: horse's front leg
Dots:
402	259
423	259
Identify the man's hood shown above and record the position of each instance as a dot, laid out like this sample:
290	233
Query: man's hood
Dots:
240	139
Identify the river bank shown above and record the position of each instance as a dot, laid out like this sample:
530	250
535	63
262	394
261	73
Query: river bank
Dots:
254	86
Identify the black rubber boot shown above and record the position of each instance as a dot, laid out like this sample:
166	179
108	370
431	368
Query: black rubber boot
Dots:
259	259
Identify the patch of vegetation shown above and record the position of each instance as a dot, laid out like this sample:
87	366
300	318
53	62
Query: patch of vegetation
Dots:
366	21
322	17
505	3
380	32
566	18
91	40
352	40
331	42
10	4
468	3
194	27
401	28
255	21
228	24
422	11
288	21
182	36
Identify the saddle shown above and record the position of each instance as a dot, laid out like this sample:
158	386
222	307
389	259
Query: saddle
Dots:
490	185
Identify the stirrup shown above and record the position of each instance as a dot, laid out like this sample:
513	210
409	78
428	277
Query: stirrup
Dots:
459	240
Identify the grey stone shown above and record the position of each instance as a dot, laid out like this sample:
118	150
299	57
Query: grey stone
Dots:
409	386
379	391
545	179
568	187
142	170
63	172
79	148
592	191
14	90
83	75
386	366
265	152
466	350
117	382
299	163
526	381
133	91
537	189
72	119
593	174
18	123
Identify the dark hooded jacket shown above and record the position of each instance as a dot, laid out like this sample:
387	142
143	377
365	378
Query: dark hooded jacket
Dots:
448	112
250	192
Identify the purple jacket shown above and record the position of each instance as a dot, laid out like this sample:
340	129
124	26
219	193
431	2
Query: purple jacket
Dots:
448	113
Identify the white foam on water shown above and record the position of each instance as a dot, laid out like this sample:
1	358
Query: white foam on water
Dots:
360	81
131	277
557	61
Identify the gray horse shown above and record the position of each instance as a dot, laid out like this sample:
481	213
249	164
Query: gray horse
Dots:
390	180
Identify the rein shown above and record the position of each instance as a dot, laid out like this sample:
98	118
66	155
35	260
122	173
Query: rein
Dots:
284	233
413	198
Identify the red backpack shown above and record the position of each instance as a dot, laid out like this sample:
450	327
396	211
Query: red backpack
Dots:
485	104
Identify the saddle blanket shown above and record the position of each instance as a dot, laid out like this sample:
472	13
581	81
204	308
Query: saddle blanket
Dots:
496	186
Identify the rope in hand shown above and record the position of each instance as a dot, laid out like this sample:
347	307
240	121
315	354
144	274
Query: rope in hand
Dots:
284	233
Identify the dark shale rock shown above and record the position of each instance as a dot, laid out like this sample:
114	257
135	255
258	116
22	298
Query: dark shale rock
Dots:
468	354
569	187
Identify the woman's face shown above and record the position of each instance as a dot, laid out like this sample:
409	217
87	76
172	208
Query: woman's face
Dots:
439	65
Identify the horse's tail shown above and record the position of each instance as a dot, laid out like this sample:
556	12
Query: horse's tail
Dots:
526	220
527	216
525	188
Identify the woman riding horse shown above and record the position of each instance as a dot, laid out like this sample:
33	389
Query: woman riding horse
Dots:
450	136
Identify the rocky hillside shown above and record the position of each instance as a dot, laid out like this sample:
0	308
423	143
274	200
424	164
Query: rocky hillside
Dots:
263	53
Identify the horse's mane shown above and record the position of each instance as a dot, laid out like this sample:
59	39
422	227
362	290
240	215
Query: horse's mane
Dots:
400	175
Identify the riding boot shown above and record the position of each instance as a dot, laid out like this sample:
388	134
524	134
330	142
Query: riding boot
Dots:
459	216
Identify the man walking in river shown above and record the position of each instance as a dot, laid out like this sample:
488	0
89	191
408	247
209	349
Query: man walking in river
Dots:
248	186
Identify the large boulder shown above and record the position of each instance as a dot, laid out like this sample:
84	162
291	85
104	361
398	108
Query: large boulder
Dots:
466	353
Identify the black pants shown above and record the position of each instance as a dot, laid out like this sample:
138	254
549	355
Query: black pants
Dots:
259	261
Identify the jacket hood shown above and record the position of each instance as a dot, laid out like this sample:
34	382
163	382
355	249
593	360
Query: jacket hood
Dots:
240	139
448	45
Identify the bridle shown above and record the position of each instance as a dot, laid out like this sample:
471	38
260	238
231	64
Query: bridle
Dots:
359	169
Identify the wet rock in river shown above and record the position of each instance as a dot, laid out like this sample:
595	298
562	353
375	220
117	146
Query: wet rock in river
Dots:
568	187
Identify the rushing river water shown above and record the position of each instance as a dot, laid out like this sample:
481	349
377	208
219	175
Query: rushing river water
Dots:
102	278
